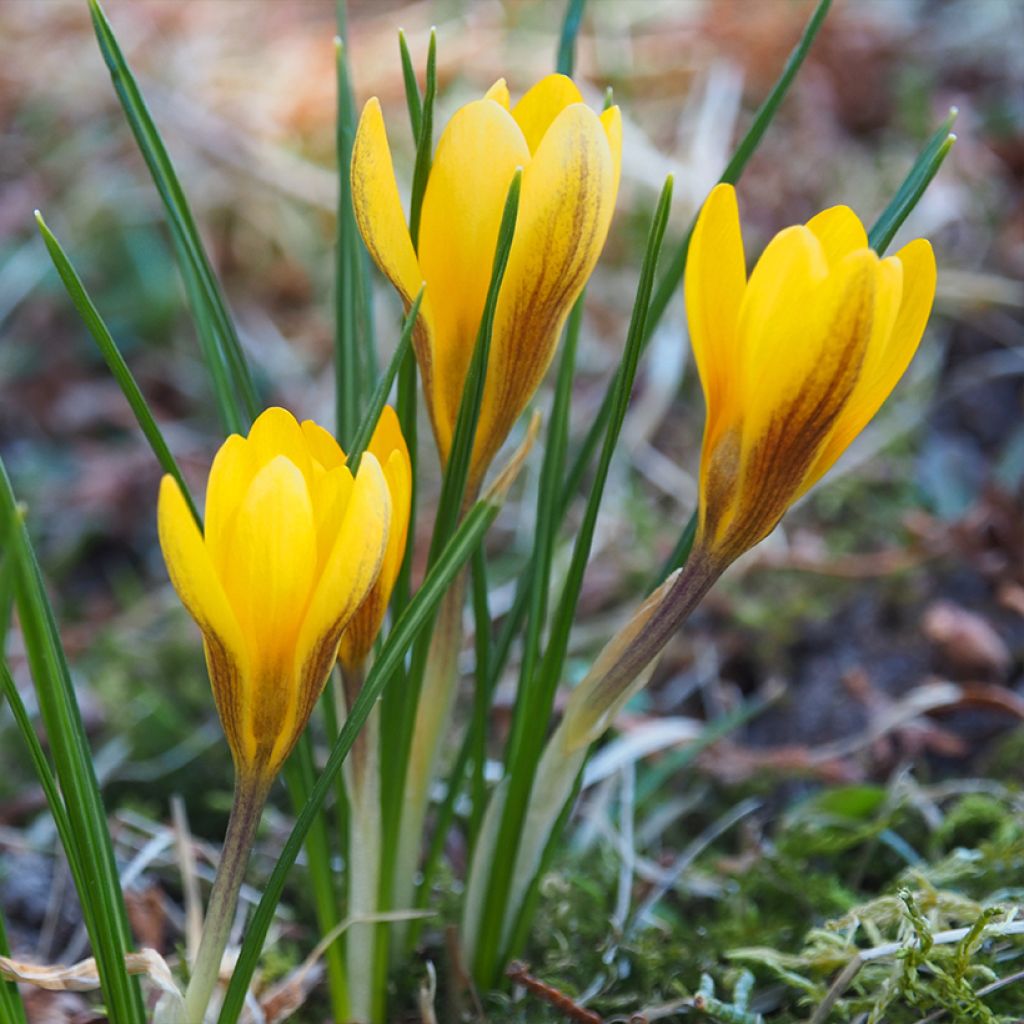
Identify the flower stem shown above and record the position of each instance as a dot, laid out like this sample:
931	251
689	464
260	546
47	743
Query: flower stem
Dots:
250	796
433	719
362	781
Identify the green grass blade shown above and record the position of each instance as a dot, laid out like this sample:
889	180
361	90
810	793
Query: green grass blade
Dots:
528	596
364	432
406	408
909	193
672	277
424	142
412	90
481	695
110	935
387	667
43	770
7	579
549	493
182	223
115	361
421	114
566	61
535	702
525	913
450	503
456	474
12	1009
300	777
346	302
680	553
206	333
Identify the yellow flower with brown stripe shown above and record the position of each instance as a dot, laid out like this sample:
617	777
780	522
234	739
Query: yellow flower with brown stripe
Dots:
293	544
570	158
794	361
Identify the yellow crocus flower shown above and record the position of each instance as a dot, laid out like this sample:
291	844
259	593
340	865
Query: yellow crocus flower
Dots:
570	158
389	448
292	546
794	361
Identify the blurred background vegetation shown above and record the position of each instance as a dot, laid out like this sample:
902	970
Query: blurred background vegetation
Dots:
874	642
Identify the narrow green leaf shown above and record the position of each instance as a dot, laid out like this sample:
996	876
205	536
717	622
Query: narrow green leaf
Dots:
424	142
672	277
7	578
346	283
300	777
535	702
12	1009
679	553
43	770
406	407
549	495
525	913
110	934
208	291
412	88
473	749
206	334
387	667
329	710
481	694
917	180
380	394
450	504
566	62
460	456
115	361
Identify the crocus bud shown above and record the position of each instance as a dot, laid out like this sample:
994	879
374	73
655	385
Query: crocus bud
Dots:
570	158
292	546
795	361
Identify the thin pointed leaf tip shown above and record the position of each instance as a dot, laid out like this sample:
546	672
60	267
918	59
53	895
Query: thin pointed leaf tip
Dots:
570	158
795	360
293	545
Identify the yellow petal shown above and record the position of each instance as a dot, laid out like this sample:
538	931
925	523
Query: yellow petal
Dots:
476	156
840	232
377	205
230	475
200	590
398	474
781	323
362	630
277	432
611	119
906	289
331	492
350	572
388	437
271	563
322	445
499	93
716	276
565	208
541	104
807	375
